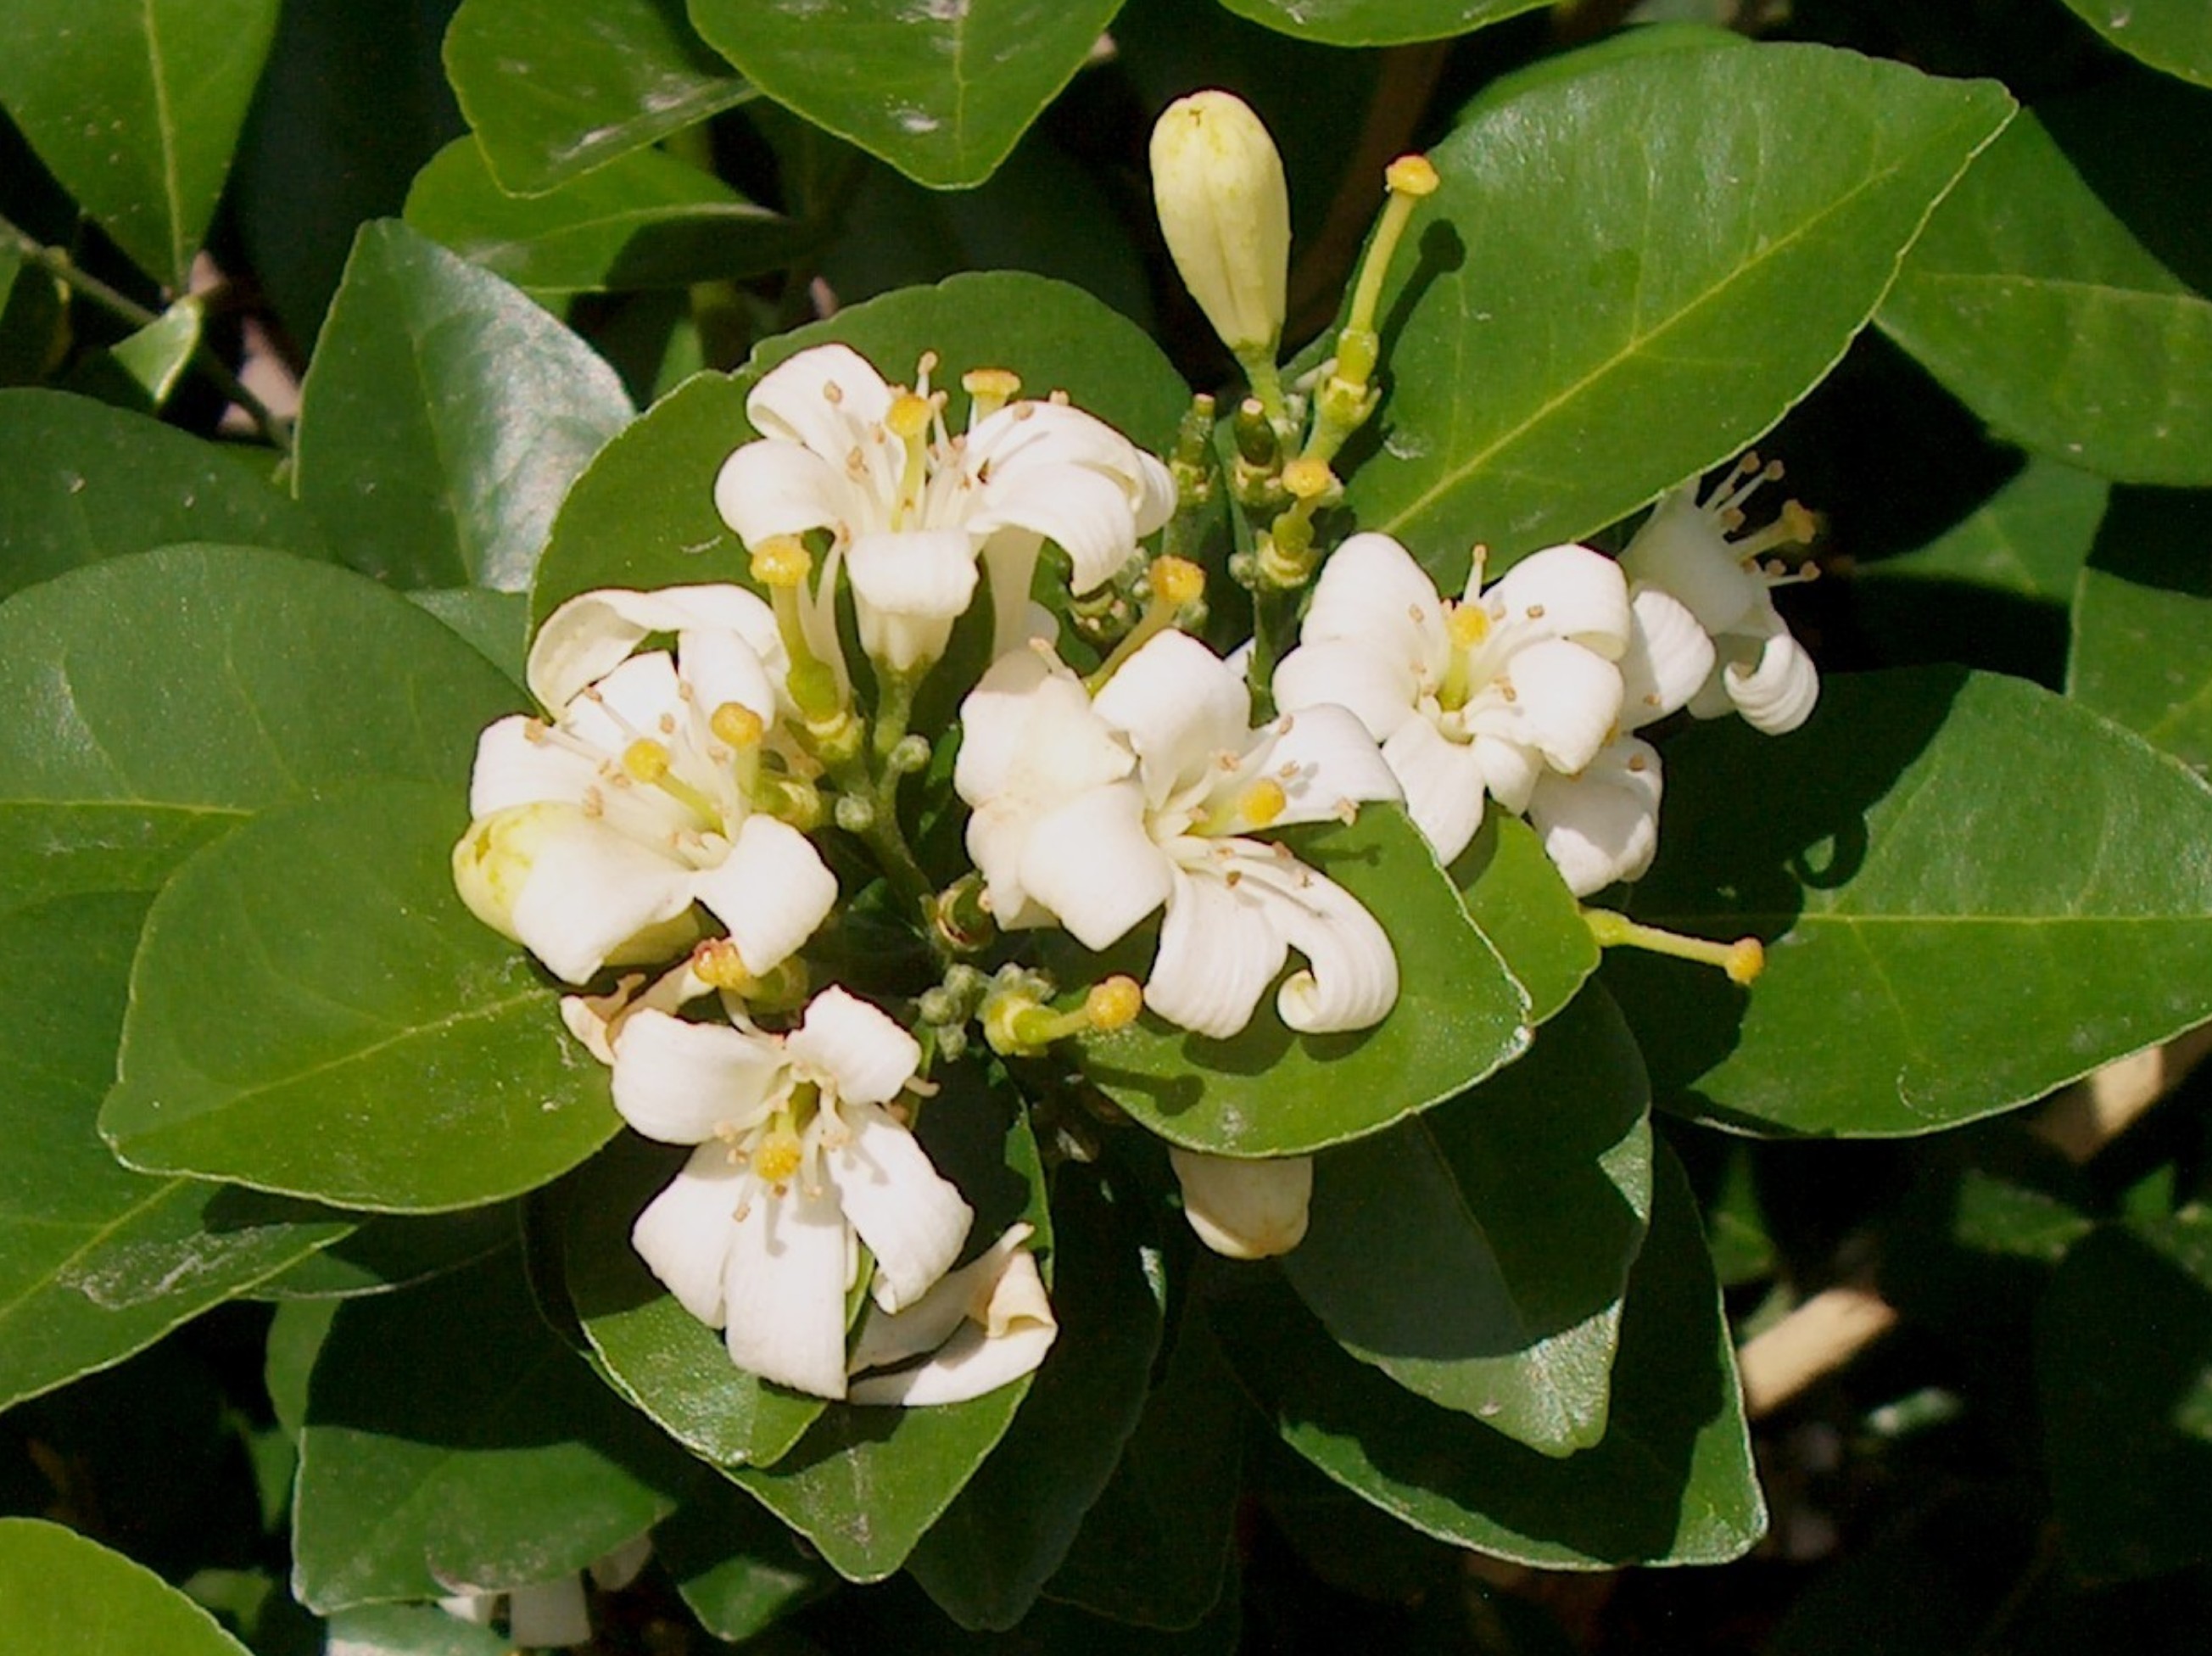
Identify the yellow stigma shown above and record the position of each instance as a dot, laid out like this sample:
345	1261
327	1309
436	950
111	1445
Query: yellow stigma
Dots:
1470	625
1746	960
1308	479
717	963
908	417
781	561
646	760
778	1156
1263	802
1411	175
1113	1004
990	389
737	724
1177	581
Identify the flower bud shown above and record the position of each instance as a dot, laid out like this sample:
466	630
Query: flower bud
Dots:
1245	1209
1225	211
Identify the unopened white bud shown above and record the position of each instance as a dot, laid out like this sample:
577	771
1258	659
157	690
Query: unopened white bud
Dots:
1225	211
1242	1208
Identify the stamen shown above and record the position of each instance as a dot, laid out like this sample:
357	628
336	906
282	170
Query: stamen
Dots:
718	964
832	393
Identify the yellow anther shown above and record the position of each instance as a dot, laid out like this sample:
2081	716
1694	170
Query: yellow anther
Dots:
1308	479
1746	960
778	1156
781	561
717	963
908	417
1411	175
1800	522
1470	625
1263	801
1113	1004
737	724
1177	581
646	760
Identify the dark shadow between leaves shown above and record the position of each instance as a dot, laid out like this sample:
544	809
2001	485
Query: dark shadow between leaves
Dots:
1439	252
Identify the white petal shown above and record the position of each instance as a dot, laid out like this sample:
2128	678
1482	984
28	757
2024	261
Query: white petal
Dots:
1443	782
1681	550
1351	977
825	396
589	636
1669	657
1028	721
1565	591
721	666
785	1290
911	1217
1324	760
1010	561
1376	685
1777	693
1372	592
767	489
1016	1330
772	890
1219	949
908	588
684	1233
612	1572
591	890
1565	701
888	1337
1602	826
476	1607
1244	1209
515	767
1086	514
866	1054
678	1082
1092	863
1180	705
1510	769
549	1615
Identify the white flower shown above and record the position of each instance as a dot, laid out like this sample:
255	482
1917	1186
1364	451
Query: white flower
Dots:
1477	697
1095	813
1244	1209
1225	214
796	1158
910	508
1690	549
986	1324
595	833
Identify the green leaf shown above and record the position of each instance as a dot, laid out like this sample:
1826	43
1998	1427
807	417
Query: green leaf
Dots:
497	625
97	1262
1672	1481
864	1484
1478	1254
738	1570
141	371
136	106
1647	264
1267	1091
656	1353
1972	891
2123	1370
1514	896
170	696
84	482
1377	22
297	1333
646	220
368	1042
411	1630
2174	35
2142	623
941	91
986	1560
2038	306
643	514
555	89
66	1593
453	1440
443	418
395	1252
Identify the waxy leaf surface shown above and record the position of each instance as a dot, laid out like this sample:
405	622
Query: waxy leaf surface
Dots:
2142	622
1971	891
66	1593
1516	895
1377	22
2174	35
1628	274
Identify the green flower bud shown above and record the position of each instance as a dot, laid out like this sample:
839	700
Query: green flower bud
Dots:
1225	211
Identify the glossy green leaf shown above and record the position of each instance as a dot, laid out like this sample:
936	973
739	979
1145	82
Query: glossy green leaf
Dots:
141	370
864	1484
84	482
1515	895
2029	540
1478	1253
496	623
171	695
2123	1370
393	1251
986	1560
97	1262
444	416
64	1593
1267	1091
2142	622
656	1353
1671	1481
643	221
643	514
1644	265
2174	35
555	89
136	106
2039	307
1377	22
453	1440
1972	891
367	1041
297	1333
941	91
739	1570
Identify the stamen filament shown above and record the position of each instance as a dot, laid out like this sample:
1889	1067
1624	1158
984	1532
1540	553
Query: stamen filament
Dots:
1741	960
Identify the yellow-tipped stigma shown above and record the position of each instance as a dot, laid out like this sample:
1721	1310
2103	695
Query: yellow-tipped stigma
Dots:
1747	958
737	724
1741	960
1177	581
1114	1003
781	562
717	963
646	760
1263	802
1411	175
777	1157
908	417
1308	479
1469	624
990	389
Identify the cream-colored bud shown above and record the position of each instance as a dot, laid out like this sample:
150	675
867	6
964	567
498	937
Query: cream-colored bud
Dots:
1242	1208
493	861
1225	211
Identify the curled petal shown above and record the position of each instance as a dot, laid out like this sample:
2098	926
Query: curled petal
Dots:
825	397
1602	826
1776	693
908	588
887	1337
678	1082
1219	947
1371	593
912	1219
589	636
1565	591
683	1234
1005	1335
1180	705
1444	784
1377	686
1669	657
784	1290
772	890
1086	514
868	1055
1244	1209
1092	863
1351	977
